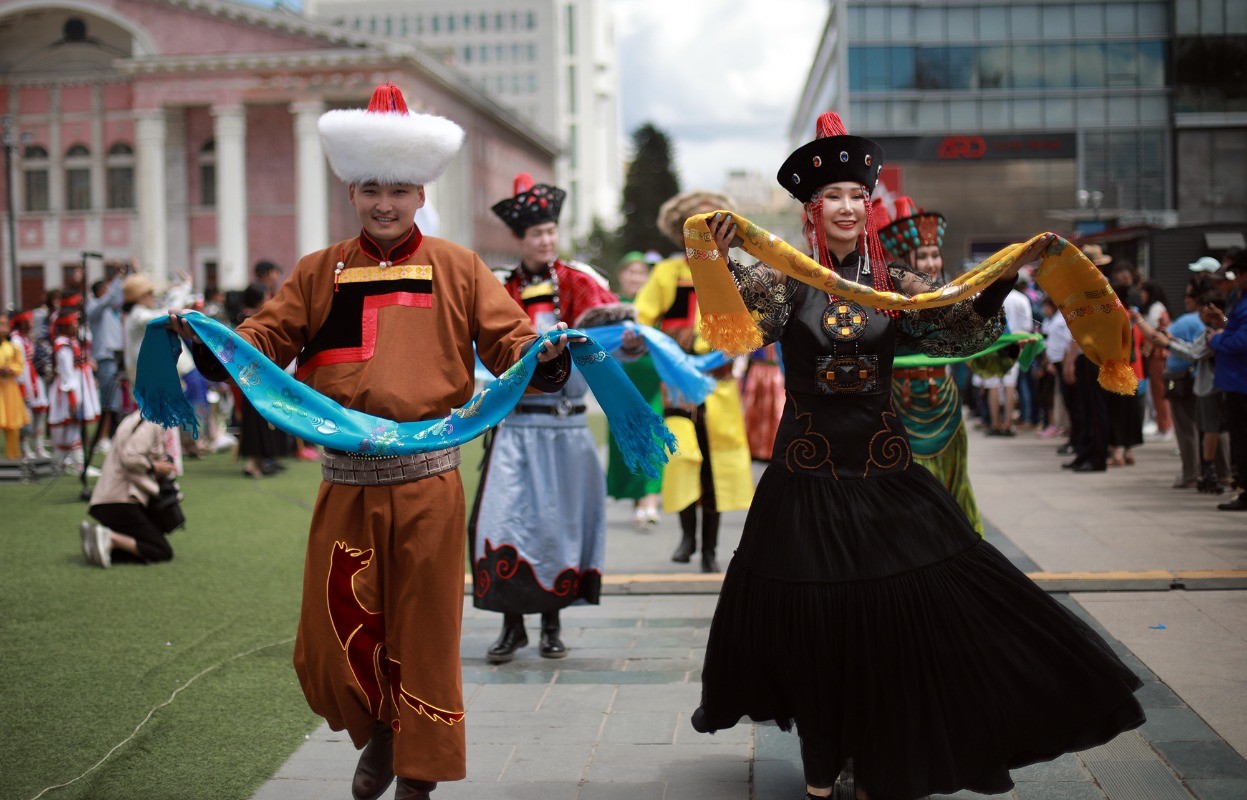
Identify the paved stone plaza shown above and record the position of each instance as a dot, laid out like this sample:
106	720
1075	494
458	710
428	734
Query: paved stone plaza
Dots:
612	719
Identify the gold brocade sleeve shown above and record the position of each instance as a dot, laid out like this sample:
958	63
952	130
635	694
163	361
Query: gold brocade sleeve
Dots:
1096	317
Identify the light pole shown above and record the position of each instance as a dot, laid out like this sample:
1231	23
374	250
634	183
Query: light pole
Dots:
7	122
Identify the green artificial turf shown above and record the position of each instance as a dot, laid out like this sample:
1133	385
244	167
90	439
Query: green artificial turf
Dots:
87	653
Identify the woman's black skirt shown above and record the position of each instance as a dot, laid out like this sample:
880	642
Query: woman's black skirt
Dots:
870	614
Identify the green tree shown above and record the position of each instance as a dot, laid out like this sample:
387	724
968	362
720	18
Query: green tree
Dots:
650	181
602	248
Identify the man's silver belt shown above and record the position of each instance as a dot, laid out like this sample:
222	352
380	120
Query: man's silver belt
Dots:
354	471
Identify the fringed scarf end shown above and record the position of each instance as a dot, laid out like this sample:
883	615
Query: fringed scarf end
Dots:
735	332
643	440
1117	376
167	411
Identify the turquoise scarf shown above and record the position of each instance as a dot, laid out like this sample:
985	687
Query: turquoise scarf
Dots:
303	412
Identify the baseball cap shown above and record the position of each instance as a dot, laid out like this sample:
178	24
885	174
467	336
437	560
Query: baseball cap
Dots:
1204	264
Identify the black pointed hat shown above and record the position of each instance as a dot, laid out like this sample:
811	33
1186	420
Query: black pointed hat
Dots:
533	204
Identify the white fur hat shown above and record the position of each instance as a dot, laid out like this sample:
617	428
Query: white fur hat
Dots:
386	143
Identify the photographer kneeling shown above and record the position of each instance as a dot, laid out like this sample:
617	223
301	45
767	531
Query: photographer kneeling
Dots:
129	523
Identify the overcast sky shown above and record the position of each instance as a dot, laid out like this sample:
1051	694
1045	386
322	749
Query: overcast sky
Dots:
720	77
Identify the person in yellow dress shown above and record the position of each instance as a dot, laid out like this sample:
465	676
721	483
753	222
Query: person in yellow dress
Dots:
13	414
712	465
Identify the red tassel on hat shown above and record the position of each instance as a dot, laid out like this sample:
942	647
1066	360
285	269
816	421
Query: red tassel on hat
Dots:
880	216
387	99
830	124
523	182
906	207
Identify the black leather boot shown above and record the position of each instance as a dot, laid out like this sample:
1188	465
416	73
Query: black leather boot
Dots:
551	645
412	789
512	638
709	541
375	771
688	536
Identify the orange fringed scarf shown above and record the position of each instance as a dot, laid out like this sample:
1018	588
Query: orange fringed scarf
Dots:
1096	318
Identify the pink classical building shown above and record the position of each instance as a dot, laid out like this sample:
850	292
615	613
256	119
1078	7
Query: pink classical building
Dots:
182	133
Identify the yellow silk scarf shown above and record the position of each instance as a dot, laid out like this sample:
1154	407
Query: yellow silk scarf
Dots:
1096	318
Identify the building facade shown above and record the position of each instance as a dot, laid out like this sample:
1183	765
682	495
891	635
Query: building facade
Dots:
182	134
553	61
1016	117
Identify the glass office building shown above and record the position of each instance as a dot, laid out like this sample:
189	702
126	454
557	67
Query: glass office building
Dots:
1002	115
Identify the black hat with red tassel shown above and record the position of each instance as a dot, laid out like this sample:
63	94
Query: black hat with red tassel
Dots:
832	157
532	204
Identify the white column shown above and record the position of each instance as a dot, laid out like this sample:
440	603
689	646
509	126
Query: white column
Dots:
230	132
149	135
310	178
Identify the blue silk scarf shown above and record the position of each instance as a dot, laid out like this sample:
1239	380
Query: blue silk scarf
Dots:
303	412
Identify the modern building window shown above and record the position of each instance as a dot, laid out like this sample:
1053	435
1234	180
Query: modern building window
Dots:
497	22
993	22
1089	19
419	25
435	24
1207	74
532	52
1057	21
532	82
450	23
571	30
498	53
35	169
402	25
1128	166
207	174
484	52
572	149
483	22
1130	64
78	178
119	176
1119	19
372	24
571	89
467	22
961	25
467	54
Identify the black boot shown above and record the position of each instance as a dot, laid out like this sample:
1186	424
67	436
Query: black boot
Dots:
412	789
709	541
688	536
513	637
551	645
375	771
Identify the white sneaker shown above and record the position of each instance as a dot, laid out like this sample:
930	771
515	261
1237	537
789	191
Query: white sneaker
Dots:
92	472
103	546
86	532
103	446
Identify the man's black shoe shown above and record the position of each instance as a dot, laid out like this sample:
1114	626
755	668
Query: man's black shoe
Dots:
1237	504
1075	464
551	645
1088	467
513	637
375	771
